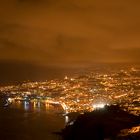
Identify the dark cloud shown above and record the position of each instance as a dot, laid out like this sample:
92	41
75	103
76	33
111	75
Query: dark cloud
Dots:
72	31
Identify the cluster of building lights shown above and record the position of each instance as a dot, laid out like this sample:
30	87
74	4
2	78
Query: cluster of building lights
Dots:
82	93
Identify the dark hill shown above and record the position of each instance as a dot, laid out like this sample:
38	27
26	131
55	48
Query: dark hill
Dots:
100	124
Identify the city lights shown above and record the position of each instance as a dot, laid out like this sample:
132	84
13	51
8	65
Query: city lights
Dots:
96	106
82	93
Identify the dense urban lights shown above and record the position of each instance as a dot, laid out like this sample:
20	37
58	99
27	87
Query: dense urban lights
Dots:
81	93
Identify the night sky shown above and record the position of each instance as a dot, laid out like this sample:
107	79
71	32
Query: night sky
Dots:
42	33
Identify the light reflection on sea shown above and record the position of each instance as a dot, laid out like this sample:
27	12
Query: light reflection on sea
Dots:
24	121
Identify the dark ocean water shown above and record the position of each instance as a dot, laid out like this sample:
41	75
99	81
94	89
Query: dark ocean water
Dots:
20	124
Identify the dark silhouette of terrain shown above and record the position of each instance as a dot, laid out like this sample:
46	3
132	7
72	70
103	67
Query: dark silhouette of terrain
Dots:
101	124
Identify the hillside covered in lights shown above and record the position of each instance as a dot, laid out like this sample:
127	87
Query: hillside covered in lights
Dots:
80	93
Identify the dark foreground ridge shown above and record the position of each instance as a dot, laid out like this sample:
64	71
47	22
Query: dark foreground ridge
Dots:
102	124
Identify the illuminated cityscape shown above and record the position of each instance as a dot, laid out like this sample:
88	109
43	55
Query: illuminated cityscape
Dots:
83	93
62	59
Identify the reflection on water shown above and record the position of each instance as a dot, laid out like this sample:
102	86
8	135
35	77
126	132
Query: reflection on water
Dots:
36	106
26	105
30	121
66	119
